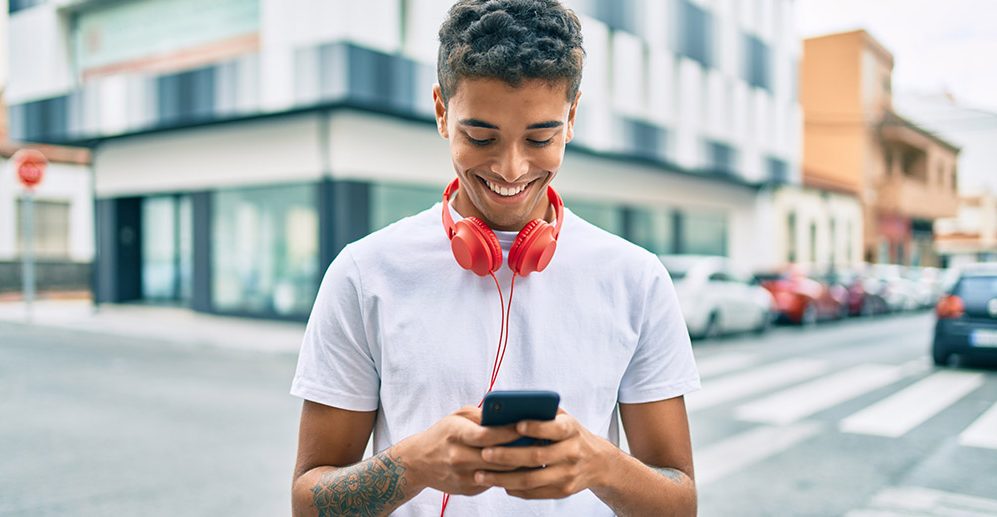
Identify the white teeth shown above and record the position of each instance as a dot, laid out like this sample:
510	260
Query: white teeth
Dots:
505	191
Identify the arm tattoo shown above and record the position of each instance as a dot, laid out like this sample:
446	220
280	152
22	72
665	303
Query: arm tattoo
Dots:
369	488
674	475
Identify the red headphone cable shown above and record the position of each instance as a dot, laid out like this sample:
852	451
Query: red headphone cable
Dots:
503	344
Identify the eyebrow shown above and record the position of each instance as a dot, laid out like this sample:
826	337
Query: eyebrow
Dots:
473	122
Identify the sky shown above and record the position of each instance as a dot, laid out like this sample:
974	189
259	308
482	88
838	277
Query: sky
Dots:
937	45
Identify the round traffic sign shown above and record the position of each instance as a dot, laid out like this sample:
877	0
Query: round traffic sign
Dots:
30	166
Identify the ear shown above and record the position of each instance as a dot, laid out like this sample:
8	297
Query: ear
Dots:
440	107
571	117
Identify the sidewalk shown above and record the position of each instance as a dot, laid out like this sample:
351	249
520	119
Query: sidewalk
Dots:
175	325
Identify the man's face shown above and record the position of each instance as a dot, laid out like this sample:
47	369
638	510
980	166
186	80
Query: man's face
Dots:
506	144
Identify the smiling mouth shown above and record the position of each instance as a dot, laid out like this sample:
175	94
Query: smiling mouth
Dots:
503	191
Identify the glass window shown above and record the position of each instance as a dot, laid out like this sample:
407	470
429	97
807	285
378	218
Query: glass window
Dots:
696	33
652	230
391	202
605	216
791	237
167	248
265	250
704	234
50	228
757	63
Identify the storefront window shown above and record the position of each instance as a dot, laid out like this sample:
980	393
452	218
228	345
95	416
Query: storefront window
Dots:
652	230
167	252
607	217
704	233
265	250
391	202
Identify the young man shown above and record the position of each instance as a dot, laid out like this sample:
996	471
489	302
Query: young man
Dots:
401	338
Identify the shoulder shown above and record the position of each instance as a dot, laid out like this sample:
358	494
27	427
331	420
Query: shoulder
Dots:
607	249
407	235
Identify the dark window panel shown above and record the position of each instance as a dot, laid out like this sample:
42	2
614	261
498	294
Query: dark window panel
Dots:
757	62
19	5
695	33
721	157
644	139
778	170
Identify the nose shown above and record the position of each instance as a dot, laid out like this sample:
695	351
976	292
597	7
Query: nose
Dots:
512	164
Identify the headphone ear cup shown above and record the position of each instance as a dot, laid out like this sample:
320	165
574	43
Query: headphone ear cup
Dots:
533	248
476	247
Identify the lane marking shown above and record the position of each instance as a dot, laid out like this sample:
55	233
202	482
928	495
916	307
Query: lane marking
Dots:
793	404
982	432
752	382
926	501
896	415
740	451
724	363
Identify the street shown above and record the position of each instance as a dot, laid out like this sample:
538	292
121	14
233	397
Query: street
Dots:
847	418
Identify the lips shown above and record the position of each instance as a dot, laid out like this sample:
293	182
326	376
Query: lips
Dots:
506	192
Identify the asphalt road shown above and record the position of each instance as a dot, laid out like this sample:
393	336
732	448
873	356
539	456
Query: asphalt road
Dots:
845	419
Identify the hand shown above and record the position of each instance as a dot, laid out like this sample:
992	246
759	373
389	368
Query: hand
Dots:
575	462
447	455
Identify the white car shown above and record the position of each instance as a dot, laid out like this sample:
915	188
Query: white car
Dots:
717	299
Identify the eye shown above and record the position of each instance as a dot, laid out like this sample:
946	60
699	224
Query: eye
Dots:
479	143
540	143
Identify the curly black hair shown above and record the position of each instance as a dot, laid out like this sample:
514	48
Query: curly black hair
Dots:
511	40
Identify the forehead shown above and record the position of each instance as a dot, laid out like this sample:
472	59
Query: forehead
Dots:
495	100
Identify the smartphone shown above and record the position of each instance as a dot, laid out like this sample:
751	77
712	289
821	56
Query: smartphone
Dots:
509	407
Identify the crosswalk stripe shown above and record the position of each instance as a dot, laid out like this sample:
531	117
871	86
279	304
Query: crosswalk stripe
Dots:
723	363
763	378
926	501
982	432
795	403
724	458
896	415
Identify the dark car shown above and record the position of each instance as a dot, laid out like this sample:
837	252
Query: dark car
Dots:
967	316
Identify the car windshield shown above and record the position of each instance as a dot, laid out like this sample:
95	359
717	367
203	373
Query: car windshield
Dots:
678	267
977	290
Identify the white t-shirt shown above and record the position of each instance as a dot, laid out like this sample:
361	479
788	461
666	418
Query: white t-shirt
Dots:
399	327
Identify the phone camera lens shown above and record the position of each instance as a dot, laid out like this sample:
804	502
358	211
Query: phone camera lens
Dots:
497	407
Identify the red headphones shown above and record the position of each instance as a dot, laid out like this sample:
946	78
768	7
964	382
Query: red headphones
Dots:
476	247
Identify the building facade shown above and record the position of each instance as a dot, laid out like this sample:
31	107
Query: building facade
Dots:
972	235
238	148
854	141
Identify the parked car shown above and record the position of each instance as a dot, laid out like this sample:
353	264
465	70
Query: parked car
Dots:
901	293
802	300
866	294
716	298
967	316
929	284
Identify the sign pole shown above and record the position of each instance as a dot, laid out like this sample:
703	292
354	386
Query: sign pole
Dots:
30	167
28	255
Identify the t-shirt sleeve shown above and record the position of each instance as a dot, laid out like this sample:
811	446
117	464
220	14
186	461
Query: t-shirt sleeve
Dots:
662	366
335	365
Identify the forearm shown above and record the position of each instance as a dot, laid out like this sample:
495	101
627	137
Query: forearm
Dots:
373	487
632	488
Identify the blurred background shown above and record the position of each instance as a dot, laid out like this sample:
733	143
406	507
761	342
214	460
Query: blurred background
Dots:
818	177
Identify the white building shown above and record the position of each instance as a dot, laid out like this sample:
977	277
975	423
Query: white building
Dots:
238	147
63	240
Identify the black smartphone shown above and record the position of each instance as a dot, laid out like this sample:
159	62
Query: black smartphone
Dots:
509	407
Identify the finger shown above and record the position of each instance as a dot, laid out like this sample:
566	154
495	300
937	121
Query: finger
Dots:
532	456
561	428
471	413
468	460
547	492
480	436
523	479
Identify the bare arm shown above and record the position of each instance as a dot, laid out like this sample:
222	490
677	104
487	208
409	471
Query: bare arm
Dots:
328	480
657	478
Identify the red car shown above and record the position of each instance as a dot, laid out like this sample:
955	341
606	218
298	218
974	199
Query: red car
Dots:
801	300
